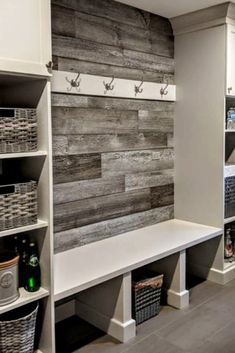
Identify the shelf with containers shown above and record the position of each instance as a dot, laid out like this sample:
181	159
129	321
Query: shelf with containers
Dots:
31	92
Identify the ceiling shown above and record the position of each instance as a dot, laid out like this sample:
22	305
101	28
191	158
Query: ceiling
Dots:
172	8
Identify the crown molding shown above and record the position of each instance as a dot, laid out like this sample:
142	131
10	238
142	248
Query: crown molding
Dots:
206	18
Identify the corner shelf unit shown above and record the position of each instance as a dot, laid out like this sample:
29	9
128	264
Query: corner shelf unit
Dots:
25	91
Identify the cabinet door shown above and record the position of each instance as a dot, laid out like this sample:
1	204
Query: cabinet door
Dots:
230	88
25	36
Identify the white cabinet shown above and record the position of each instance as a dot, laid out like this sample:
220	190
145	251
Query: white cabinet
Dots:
205	70
25	36
230	83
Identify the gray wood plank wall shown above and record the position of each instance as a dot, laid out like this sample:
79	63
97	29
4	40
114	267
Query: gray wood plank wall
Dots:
113	159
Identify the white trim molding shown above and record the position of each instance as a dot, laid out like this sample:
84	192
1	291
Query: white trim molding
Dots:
94	85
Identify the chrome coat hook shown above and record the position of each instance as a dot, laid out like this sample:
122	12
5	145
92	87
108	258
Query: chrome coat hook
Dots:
108	86
74	83
163	90
138	89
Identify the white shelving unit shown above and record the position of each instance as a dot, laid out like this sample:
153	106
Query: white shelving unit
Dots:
204	56
34	166
25	83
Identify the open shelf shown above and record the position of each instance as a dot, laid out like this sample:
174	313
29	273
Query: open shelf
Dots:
229	170
25	298
23	154
40	224
230	130
229	265
229	219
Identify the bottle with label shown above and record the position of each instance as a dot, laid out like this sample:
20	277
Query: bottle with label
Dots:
33	272
228	245
23	262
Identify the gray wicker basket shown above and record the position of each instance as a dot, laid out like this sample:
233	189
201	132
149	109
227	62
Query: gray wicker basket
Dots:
146	295
17	335
18	205
18	130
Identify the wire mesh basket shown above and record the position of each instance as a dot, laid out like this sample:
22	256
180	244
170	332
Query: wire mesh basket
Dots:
18	205
18	130
17	330
146	295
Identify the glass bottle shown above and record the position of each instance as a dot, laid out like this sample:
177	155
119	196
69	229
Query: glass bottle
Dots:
33	271
24	255
228	245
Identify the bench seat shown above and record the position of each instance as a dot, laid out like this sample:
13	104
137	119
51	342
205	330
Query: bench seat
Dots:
83	267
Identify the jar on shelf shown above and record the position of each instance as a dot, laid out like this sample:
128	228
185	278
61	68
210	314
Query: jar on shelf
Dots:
9	288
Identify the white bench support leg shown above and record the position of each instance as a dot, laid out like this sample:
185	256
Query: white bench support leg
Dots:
174	269
108	307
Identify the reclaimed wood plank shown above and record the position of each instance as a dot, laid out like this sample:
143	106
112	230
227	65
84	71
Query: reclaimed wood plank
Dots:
73	65
94	232
145	180
73	168
79	190
79	144
79	49
130	162
74	121
63	21
162	195
79	213
156	121
79	25
108	9
170	140
70	100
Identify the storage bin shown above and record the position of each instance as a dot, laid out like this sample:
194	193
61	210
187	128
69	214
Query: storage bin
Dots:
146	295
18	130
17	330
229	203
18	205
8	278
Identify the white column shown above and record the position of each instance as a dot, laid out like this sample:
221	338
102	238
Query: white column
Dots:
174	269
108	307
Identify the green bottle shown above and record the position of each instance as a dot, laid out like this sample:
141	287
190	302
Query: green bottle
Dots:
33	272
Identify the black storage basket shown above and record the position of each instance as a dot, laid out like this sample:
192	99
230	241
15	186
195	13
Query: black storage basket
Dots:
146	295
229	202
18	205
17	330
18	130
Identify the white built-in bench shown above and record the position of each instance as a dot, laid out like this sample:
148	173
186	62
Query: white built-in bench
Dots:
101	272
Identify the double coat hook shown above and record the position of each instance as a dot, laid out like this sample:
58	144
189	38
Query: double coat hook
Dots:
108	86
163	90
74	83
138	89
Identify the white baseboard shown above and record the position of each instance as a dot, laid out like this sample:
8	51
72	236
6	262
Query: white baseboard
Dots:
212	274
64	311
178	300
123	332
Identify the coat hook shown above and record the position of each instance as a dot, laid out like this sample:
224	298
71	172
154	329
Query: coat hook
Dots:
74	83
138	89
108	86
163	90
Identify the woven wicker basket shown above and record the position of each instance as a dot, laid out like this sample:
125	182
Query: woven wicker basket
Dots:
17	335
18	130
18	205
146	295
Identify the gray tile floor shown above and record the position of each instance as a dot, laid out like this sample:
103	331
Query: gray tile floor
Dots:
206	326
